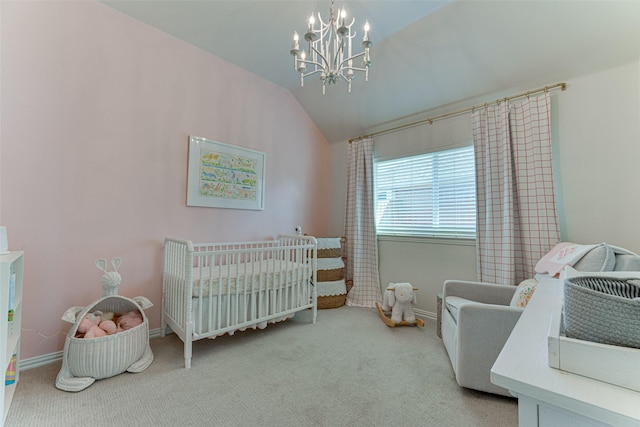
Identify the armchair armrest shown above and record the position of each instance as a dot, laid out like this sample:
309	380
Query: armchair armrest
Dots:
482	331
488	293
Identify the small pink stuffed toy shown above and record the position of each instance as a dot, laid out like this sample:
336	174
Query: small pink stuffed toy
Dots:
95	332
90	320
109	326
129	320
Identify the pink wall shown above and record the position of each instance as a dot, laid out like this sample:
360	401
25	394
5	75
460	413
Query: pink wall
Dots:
97	110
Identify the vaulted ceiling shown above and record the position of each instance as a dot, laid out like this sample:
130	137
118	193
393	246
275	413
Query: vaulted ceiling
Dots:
426	53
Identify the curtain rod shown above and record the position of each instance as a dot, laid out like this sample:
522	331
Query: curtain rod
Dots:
563	86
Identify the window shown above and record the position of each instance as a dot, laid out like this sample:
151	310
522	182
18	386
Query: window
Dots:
428	195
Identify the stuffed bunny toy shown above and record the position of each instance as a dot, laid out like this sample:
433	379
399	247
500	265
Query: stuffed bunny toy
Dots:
400	298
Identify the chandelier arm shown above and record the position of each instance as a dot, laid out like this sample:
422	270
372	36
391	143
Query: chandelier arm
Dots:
339	50
329	38
351	58
321	56
355	68
311	73
310	62
344	78
324	24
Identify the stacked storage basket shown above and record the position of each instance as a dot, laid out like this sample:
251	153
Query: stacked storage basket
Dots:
332	290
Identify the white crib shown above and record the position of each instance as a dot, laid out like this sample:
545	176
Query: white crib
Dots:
213	289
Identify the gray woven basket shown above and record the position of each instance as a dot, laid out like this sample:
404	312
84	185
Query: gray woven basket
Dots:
603	309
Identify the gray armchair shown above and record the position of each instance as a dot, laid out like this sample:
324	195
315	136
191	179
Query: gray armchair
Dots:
477	319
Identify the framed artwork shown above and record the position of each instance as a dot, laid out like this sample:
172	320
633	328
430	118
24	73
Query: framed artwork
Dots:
224	176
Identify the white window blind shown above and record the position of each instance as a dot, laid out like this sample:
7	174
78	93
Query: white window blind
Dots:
430	195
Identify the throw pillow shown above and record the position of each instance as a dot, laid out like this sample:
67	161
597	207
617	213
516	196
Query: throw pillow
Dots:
523	293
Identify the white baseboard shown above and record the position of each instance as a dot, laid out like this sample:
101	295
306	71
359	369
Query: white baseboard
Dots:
45	359
35	362
424	314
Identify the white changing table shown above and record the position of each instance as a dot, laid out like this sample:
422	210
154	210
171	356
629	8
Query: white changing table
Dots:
548	396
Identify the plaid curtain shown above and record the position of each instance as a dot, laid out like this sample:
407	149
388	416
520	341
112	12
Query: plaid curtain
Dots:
360	227
517	220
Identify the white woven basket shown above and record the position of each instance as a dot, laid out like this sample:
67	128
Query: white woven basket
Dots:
88	359
603	309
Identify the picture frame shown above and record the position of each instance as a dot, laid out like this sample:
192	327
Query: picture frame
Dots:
224	176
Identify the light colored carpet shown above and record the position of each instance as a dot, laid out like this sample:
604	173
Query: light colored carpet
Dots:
347	370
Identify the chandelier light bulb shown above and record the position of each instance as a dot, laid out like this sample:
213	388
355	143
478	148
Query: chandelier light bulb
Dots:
295	50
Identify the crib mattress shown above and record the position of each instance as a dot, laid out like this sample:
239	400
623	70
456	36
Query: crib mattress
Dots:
248	277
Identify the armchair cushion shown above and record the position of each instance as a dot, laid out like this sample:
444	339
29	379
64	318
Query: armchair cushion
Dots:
487	293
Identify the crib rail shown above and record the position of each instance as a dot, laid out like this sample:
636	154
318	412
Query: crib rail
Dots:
216	288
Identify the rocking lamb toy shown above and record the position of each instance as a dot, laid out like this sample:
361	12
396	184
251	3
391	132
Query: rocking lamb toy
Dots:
399	298
107	338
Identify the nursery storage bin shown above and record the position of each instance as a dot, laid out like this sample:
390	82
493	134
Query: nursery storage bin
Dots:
88	359
332	290
603	309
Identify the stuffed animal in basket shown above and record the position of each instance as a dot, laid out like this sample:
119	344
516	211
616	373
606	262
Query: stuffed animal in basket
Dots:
129	320
90	320
399	298
95	324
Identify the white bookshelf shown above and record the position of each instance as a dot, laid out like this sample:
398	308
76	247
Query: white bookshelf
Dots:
11	270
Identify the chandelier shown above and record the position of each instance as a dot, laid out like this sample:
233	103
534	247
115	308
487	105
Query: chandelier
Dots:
329	51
